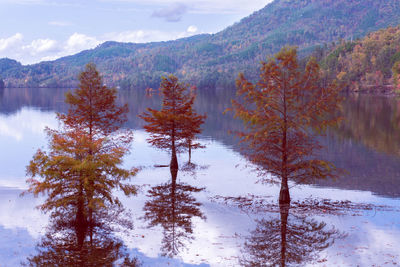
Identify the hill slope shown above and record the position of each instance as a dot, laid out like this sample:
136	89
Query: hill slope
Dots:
215	60
368	64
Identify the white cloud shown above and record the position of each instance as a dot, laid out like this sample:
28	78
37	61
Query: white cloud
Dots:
25	123
47	49
192	29
78	42
138	36
40	46
16	47
7	43
19	213
6	130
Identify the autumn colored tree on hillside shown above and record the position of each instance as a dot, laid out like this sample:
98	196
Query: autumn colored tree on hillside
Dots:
283	113
82	167
396	76
175	126
367	63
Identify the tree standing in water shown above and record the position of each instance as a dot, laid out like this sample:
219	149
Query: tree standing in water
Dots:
82	167
175	126
283	113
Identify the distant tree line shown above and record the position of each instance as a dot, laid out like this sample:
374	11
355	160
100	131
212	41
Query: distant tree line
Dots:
212	60
368	64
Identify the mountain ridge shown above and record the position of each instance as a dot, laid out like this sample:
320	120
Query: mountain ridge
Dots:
211	60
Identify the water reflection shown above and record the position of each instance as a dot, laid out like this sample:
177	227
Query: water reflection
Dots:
285	242
173	207
67	241
366	144
13	99
368	170
373	121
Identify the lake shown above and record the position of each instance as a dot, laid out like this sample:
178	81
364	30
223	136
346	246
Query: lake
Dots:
215	212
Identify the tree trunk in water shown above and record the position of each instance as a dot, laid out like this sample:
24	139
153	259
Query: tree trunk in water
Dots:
80	228
284	210
91	226
173	199
190	153
174	160
80	223
284	196
174	175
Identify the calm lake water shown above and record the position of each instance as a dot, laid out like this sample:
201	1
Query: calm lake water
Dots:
221	215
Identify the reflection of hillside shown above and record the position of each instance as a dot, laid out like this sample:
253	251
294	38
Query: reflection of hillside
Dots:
374	121
365	168
367	145
210	102
13	99
370	124
217	125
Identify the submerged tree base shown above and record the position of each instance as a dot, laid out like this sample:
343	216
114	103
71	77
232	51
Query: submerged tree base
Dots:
174	162
284	196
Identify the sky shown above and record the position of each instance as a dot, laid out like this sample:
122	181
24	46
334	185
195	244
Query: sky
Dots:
38	30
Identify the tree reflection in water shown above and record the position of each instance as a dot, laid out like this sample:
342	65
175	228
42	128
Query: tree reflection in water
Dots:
285	242
67	241
172	206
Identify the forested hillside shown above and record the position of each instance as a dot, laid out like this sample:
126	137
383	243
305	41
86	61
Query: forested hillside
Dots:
371	63
215	60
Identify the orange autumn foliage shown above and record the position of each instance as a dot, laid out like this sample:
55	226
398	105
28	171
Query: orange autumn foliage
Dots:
280	113
176	125
83	165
